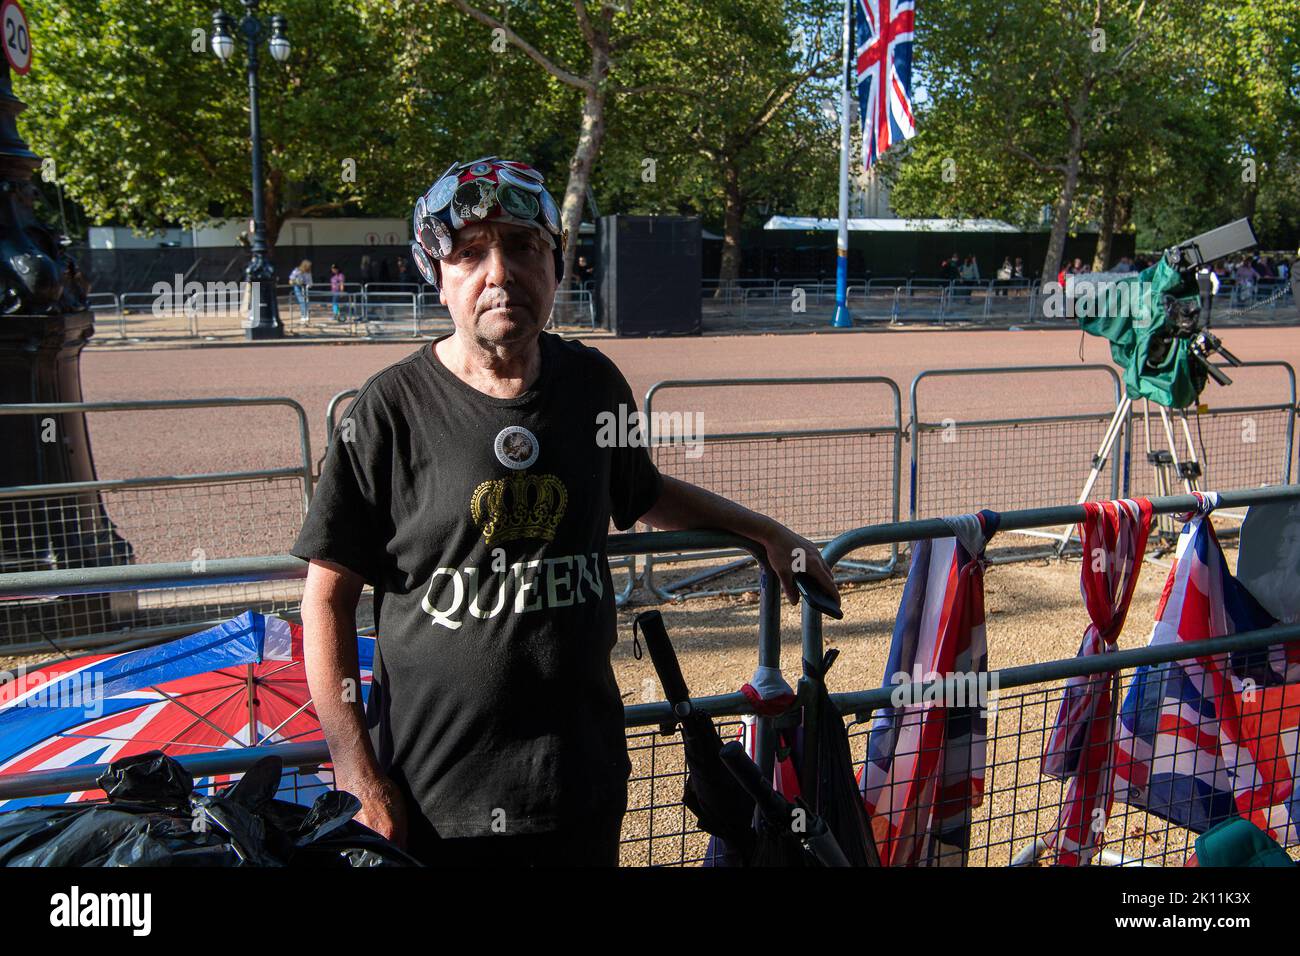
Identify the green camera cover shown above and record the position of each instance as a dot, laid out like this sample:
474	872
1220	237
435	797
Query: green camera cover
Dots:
1132	317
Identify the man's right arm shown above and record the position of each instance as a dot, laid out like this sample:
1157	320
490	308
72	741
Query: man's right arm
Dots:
329	606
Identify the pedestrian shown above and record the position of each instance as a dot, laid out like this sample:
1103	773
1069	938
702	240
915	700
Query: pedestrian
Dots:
336	290
970	274
951	269
300	282
402	275
1246	277
474	492
1004	275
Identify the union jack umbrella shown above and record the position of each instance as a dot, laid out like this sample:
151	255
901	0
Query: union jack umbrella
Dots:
1207	738
1114	535
924	772
239	684
884	73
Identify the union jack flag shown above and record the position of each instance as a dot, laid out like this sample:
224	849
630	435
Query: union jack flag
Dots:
884	73
1114	535
924	772
1207	738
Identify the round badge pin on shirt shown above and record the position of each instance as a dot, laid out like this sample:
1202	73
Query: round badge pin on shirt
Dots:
516	447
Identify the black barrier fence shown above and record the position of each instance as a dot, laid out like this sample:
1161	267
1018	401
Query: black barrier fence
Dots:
1012	822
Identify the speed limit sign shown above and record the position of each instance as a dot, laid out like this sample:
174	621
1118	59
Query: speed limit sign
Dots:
15	36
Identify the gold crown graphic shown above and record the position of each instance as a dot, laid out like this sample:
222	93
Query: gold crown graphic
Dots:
521	506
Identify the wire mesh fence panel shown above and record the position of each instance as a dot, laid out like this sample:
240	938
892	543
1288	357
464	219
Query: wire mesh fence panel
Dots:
191	523
658	830
821	485
1003	465
1236	448
1168	787
818	454
970	450
146	513
818	484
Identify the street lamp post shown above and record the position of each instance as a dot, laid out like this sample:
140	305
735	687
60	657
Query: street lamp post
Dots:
263	312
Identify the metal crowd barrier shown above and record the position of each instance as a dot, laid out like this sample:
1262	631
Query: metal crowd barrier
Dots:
654	823
1237	445
196	518
957	463
108	302
820	481
381	302
1010	826
1010	823
573	307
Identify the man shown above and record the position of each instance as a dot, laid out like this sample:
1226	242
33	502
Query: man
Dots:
472	488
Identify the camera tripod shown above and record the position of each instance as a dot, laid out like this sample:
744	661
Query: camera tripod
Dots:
1169	467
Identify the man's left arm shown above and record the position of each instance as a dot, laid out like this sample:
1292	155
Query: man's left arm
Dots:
682	506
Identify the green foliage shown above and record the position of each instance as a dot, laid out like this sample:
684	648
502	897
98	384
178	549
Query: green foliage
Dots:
1165	129
739	111
1198	123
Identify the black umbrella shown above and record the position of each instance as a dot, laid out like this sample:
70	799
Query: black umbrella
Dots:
828	780
711	792
787	834
826	775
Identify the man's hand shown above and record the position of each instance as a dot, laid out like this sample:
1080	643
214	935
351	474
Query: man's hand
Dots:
788	553
382	807
683	505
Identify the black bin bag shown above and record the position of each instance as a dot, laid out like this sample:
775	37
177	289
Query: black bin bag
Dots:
153	817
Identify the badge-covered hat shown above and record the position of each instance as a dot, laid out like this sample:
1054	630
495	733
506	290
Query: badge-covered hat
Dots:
485	190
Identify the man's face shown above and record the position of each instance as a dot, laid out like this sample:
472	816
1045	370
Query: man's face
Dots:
499	282
1288	548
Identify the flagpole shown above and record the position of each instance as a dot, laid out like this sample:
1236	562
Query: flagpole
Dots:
842	319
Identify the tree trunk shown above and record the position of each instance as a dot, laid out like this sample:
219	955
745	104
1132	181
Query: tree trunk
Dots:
729	270
1064	205
590	136
1109	209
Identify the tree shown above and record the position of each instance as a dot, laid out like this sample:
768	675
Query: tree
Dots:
745	122
611	39
1024	93
147	128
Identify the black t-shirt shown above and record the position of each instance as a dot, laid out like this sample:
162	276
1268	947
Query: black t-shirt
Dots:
481	522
